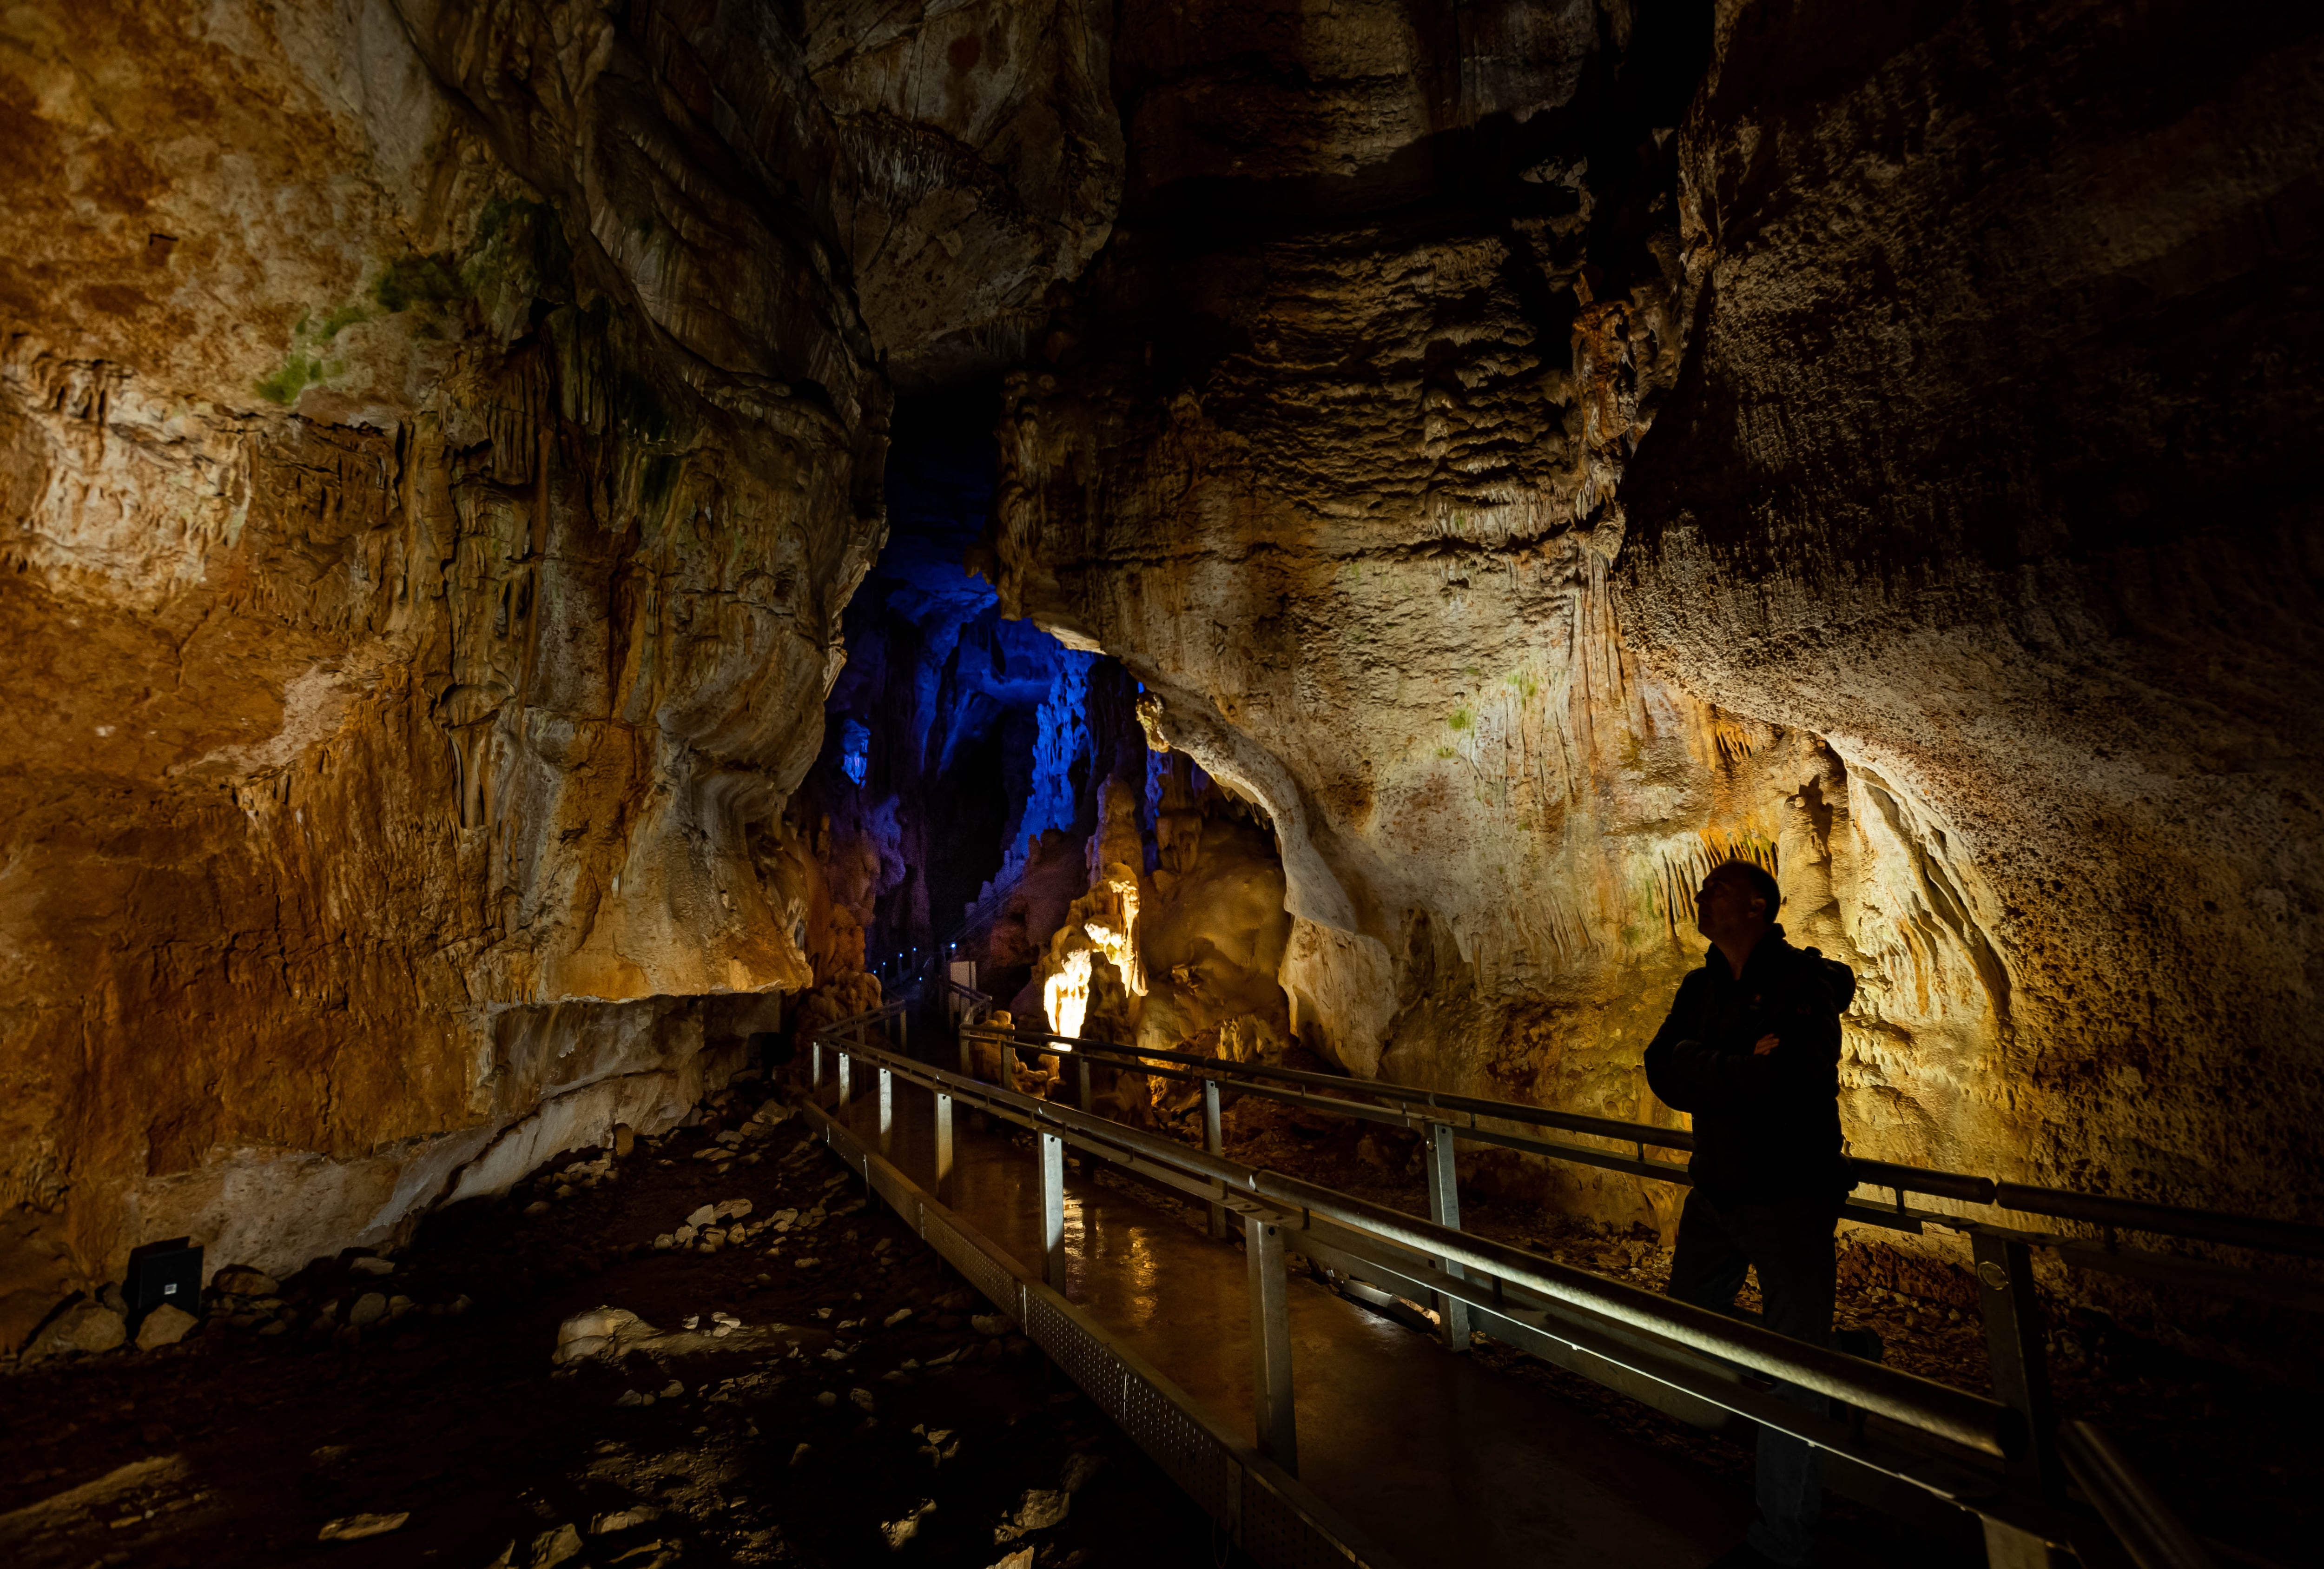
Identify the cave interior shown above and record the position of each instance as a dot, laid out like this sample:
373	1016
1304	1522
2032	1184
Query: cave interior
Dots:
552	554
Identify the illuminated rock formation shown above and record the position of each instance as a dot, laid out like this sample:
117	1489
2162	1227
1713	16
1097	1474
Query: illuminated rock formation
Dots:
1521	454
1521	511
1102	926
438	443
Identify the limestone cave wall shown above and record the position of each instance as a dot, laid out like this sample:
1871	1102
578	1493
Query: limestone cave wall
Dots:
438	444
1519	454
1555	456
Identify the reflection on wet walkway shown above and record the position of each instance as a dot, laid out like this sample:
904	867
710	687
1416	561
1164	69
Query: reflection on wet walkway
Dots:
1442	1462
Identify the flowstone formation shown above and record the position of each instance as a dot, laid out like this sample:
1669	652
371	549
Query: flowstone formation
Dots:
1552	459
438	444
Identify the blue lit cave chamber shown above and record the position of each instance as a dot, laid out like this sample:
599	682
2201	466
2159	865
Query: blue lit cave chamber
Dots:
965	756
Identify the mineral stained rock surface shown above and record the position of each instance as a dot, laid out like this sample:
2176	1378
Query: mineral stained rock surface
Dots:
1862	446
1523	453
437	443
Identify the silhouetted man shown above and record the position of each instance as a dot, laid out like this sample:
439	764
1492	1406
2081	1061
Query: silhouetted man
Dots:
1752	1049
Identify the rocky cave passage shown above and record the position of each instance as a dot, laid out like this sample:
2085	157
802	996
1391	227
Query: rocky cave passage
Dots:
550	552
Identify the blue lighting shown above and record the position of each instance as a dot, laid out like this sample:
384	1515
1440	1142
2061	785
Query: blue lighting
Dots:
855	751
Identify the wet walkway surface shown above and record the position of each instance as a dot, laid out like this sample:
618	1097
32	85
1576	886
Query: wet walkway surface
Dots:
1443	1462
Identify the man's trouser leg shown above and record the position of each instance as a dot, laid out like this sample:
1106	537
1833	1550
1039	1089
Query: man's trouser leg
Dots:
1708	1262
1791	1247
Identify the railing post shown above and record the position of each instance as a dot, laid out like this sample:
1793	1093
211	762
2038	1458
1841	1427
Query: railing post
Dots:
943	1148
1444	1209
846	1088
904	1030
967	1062
1214	1141
1271	1344
814	1064
1052	1151
887	1108
2013	1343
1081	1063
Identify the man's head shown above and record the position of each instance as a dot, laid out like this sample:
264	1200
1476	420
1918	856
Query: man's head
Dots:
1738	901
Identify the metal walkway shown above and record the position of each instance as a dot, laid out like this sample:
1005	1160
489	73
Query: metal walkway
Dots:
1436	1459
1316	1433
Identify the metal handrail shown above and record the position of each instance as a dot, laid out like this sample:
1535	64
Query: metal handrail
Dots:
2148	1529
2291	1237
2131	1214
1901	1179
2150	1532
1506	1111
1956	1415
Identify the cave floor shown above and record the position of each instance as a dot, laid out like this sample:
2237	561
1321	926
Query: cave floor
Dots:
235	1447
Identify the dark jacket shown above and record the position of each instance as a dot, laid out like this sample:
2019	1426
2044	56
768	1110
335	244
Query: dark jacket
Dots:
1767	1129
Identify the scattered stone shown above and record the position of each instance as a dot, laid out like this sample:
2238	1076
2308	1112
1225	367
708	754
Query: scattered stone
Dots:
703	1217
539	1207
665	1242
861	1397
683	1236
625	1138
900	1531
1041	1509
631	1398
624	1519
1022	1558
85	1326
827	1400
398	1305
1079	1469
895	1318
374	1266
356	1528
798	1455
673	1389
369	1309
165	1326
992	1323
586	1334
551	1549
242	1280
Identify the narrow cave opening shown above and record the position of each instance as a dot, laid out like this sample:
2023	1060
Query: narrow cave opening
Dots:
964	753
